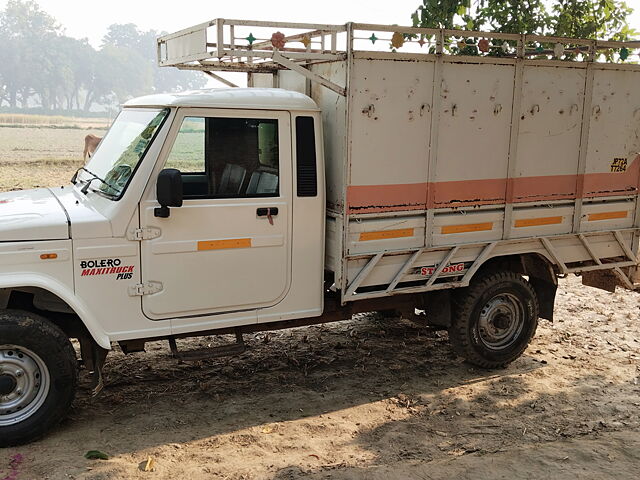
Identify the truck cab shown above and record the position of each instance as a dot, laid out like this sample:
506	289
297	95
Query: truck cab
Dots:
247	170
198	211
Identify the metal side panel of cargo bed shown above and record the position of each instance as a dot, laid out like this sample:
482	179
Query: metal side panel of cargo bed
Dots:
512	157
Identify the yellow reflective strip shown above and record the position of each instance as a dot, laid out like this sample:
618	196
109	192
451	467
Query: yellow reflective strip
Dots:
469	227
606	215
386	234
221	244
534	222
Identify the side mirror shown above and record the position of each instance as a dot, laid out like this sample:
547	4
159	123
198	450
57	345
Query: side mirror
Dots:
168	191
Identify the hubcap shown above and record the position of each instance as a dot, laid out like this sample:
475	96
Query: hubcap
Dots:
501	321
7	384
24	384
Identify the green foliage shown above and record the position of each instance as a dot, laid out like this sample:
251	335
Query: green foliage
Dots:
96	455
440	13
592	19
514	16
603	19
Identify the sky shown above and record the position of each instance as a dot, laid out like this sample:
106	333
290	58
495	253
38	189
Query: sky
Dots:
90	19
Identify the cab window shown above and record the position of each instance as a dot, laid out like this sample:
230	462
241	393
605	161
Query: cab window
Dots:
227	157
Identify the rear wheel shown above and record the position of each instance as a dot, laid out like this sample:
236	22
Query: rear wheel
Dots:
38	376
494	319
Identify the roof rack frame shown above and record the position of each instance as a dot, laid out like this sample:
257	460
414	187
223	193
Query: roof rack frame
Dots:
216	45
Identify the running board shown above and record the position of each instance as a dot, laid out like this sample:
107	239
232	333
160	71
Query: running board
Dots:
206	353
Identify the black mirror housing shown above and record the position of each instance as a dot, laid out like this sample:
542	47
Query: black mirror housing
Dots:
168	191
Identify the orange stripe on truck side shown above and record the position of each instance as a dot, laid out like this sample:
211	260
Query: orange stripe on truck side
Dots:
469	227
386	234
492	191
606	216
222	244
535	222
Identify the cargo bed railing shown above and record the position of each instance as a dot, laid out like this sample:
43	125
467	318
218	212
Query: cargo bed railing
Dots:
623	266
266	47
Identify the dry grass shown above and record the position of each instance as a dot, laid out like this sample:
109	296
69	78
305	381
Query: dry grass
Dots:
21	119
33	157
40	173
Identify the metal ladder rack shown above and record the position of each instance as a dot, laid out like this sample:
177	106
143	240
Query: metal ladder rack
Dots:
224	45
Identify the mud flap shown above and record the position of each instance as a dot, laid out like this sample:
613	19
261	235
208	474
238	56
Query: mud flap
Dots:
608	280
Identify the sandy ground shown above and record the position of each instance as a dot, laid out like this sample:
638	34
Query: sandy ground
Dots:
369	398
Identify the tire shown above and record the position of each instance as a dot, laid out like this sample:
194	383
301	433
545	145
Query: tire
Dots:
38	376
494	319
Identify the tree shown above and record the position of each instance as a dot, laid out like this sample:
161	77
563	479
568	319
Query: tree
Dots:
514	16
603	19
592	19
441	14
25	31
39	64
127	36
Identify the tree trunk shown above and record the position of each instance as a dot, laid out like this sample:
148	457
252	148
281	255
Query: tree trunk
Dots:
88	101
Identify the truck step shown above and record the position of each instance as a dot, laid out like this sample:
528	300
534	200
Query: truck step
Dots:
205	353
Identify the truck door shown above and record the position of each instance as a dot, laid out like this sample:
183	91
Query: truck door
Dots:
228	248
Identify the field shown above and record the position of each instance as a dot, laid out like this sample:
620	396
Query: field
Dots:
368	398
34	157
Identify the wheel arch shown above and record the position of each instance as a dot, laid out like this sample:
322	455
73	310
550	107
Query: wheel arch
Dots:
47	287
537	267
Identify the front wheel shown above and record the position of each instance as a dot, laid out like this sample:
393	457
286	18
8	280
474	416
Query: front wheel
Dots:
494	319
38	376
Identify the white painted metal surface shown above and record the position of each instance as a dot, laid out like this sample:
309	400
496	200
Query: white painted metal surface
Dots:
201	269
32	215
247	98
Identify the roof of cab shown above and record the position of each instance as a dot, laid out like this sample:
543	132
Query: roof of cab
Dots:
248	98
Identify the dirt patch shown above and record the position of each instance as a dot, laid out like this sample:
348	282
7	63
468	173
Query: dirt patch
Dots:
368	398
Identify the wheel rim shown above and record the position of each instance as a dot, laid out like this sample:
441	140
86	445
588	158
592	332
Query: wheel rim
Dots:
501	321
24	384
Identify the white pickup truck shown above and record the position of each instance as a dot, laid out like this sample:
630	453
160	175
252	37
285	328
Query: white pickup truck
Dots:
456	174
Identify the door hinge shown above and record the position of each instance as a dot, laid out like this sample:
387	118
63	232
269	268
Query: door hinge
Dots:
139	234
147	288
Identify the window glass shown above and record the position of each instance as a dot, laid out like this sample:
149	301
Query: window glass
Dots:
227	157
306	172
187	154
121	150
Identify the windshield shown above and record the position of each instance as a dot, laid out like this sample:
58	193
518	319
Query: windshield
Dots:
121	150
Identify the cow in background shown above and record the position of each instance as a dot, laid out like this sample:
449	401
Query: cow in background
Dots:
90	144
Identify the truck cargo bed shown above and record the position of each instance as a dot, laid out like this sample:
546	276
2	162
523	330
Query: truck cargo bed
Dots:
437	161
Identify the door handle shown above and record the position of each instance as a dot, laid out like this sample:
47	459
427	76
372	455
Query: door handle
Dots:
267	211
